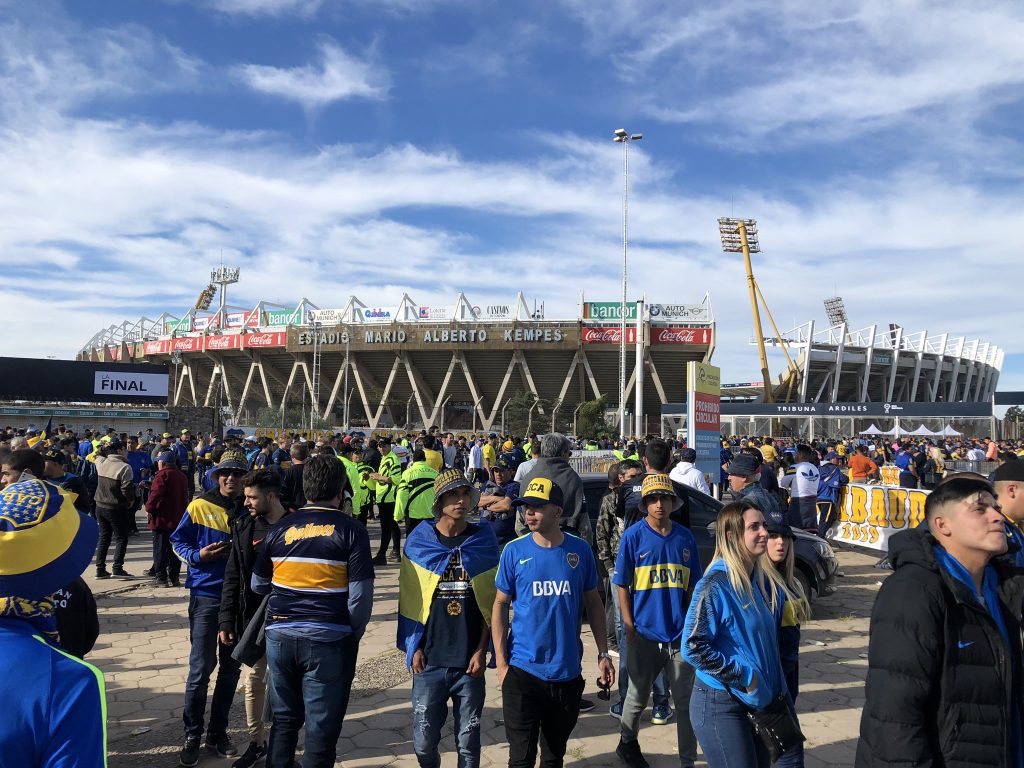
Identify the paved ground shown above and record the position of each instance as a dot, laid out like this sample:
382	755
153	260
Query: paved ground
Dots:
143	651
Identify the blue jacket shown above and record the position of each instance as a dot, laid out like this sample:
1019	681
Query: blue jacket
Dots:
54	705
729	637
207	520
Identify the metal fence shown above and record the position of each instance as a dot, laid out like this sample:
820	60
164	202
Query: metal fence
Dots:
981	467
588	462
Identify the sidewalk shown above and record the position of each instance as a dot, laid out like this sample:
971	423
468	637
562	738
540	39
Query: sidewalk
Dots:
143	652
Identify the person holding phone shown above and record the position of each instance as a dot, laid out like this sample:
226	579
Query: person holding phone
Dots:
202	541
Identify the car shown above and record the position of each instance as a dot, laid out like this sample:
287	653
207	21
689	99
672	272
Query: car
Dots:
815	561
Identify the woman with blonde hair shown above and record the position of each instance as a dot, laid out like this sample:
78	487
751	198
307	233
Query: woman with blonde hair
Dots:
731	639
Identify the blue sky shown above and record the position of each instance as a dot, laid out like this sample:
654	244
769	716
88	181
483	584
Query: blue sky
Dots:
431	146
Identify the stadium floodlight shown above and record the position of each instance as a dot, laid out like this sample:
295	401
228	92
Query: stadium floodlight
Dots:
732	241
622	137
835	311
740	236
225	275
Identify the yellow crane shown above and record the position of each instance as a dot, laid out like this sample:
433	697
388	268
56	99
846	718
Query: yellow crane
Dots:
740	236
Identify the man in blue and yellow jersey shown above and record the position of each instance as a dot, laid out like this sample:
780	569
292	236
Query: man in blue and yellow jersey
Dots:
202	541
655	573
446	594
316	567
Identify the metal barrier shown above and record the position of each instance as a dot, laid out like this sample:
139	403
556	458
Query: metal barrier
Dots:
589	462
983	468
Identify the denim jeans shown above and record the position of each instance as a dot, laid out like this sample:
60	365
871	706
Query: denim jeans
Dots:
310	683
723	730
431	690
660	695
206	653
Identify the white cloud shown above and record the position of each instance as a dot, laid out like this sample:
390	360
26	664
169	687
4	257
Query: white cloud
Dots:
336	77
266	7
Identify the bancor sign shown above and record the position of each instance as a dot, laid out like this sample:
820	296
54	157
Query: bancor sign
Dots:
130	384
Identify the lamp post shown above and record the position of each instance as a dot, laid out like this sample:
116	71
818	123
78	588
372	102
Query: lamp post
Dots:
176	359
623	138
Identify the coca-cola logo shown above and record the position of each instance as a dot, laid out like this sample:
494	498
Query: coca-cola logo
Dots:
679	336
186	345
601	336
261	340
218	342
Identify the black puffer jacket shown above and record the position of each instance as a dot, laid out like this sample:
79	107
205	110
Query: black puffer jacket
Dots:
940	675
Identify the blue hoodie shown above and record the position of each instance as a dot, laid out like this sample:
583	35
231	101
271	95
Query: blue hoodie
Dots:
728	638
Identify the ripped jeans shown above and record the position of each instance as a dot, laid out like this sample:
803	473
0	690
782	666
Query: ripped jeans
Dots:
431	690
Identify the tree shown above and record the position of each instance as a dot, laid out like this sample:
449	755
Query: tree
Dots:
591	422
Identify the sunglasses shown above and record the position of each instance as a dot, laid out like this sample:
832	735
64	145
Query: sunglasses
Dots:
232	473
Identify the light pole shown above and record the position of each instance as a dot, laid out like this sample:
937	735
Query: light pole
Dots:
176	359
623	138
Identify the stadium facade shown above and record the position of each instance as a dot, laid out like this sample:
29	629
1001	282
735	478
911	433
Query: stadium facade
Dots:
457	366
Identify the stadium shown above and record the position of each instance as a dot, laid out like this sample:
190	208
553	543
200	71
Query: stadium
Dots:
458	366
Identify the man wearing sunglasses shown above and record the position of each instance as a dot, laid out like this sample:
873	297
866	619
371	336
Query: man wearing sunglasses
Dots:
202	541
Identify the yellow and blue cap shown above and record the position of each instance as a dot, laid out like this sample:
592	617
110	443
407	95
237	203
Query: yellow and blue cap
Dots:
539	492
45	543
659	484
449	480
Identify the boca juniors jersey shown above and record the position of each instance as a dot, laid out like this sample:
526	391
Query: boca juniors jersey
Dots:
546	585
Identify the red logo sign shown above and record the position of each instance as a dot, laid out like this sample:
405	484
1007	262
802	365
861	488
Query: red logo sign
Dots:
271	339
222	342
707	411
608	335
187	344
154	348
680	335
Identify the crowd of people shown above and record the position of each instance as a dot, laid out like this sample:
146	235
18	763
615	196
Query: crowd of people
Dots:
498	565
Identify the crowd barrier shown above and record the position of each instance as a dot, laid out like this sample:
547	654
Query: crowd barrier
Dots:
983	468
589	462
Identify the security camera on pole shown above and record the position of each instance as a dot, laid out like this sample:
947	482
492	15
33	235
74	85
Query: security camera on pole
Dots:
623	137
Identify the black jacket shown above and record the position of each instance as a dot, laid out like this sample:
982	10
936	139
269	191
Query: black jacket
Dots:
940	675
78	624
292	496
238	603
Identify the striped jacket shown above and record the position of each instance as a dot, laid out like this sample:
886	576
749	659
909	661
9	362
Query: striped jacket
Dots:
207	520
415	497
389	467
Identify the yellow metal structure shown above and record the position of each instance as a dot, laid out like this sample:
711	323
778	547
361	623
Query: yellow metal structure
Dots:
752	285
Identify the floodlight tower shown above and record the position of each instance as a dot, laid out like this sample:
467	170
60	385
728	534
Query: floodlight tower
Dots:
223	276
621	136
740	236
835	311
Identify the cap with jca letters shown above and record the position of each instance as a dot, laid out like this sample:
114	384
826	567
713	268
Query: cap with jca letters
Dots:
539	492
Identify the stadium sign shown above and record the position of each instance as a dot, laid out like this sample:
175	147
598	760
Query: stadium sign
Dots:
680	335
885	410
608	335
412	336
125	384
493	312
277	317
694	313
608	310
327	316
433	313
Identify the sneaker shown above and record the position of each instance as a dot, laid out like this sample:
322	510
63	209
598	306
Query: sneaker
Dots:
613	652
189	753
586	705
395	557
661	715
121	573
102	573
256	753
629	753
221	745
149	572
379	560
616	710
173	582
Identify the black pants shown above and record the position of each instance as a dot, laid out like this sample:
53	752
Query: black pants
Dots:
534	707
364	512
411	523
118	523
390	532
165	562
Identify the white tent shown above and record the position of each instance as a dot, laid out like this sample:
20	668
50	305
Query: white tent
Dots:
950	432
872	430
923	431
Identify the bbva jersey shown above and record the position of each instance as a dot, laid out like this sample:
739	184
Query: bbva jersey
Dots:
546	585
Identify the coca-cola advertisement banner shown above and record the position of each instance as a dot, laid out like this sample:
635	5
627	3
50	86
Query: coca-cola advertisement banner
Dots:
608	335
680	335
187	344
155	348
264	340
223	342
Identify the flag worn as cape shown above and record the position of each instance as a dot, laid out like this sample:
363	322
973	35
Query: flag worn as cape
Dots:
424	561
